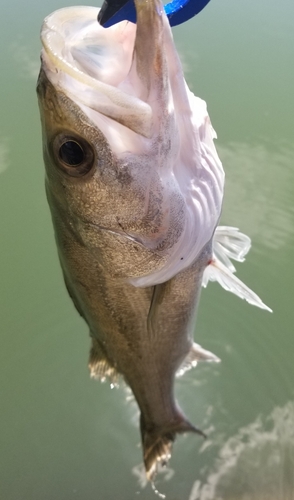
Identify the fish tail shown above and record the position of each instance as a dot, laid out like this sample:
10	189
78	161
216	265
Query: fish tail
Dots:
157	442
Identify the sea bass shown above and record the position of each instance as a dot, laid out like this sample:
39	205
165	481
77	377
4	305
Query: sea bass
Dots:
135	188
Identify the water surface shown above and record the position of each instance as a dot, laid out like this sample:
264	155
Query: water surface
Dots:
66	437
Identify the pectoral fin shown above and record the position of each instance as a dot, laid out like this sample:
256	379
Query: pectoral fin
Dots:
216	271
229	243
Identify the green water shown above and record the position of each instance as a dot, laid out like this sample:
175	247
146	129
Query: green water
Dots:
66	437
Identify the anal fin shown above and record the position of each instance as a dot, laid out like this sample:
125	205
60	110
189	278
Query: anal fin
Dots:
196	353
99	366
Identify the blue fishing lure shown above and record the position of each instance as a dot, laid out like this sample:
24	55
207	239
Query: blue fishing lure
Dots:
178	11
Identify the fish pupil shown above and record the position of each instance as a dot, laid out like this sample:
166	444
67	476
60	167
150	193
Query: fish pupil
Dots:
71	153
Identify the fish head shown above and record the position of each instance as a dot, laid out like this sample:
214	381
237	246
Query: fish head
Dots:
131	168
87	187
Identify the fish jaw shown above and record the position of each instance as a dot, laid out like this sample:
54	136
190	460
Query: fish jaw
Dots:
88	63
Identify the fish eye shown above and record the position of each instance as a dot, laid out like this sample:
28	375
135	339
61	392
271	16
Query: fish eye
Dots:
73	154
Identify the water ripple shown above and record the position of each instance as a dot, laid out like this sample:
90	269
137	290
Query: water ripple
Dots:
259	192
255	464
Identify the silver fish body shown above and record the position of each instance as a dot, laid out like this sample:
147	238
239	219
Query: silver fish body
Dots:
135	189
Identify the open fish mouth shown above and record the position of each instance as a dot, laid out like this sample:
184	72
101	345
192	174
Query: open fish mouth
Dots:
128	81
92	64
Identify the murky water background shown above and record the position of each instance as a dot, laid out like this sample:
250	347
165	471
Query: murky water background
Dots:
66	437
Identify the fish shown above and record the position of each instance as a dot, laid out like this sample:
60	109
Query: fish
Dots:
135	188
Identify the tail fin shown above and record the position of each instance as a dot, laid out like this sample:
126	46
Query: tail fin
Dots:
157	443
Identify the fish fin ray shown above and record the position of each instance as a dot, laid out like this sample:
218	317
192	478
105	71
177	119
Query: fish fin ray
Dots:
99	366
157	443
230	243
196	353
217	271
